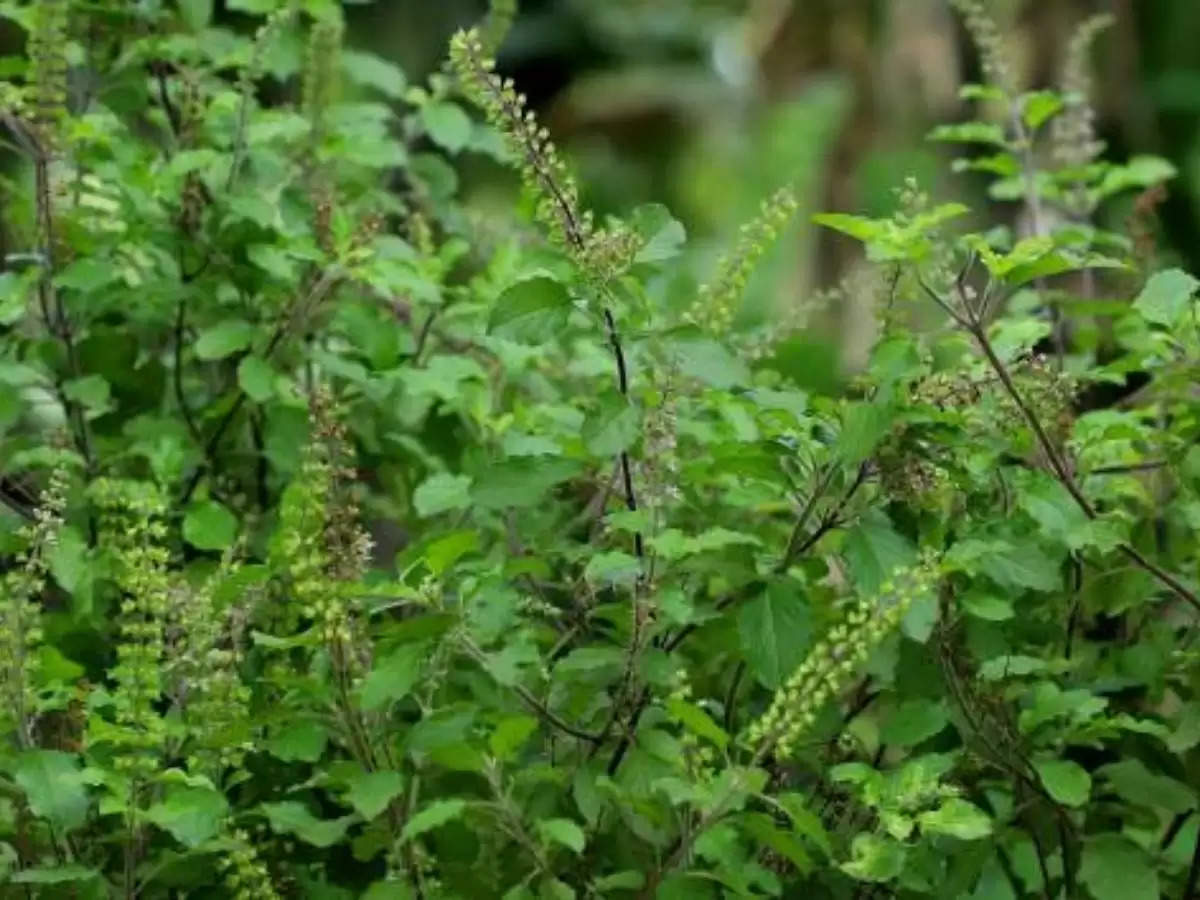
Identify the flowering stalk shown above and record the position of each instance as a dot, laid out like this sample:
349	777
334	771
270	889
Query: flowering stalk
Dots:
21	613
832	663
716	305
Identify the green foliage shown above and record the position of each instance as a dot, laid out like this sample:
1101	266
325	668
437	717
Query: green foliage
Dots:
357	543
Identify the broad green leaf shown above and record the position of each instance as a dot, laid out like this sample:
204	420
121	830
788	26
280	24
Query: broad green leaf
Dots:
562	831
196	13
957	818
775	629
914	721
662	234
299	742
859	227
54	786
697	721
612	426
532	311
191	815
1166	297
864	425
447	550
224	339
256	378
764	830
368	70
394	675
208	525
92	391
710	362
1039	107
613	567
447	124
874	549
1114	868
291	817
1137	785
435	815
1065	781
371	792
806	822
874	858
521	482
1140	172
510	735
442	492
87	274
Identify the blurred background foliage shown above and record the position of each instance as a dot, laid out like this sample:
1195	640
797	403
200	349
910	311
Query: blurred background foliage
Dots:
708	105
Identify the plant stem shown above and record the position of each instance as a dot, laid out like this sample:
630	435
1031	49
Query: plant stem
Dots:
1059	467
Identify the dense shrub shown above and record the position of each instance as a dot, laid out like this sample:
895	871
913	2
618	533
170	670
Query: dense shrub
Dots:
664	617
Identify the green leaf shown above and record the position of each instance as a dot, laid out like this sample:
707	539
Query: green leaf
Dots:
858	227
957	818
371	792
1166	297
191	815
368	70
448	549
764	830
521	482
710	362
433	816
393	677
1007	564
1065	781
662	234
970	133
874	549
914	721
224	339
299	742
863	427
209	526
775	629
256	378
54	786
196	13
291	817
1137	785
532	311
563	831
1114	868
1039	107
613	567
874	858
697	721
92	391
612	426
87	274
54	874
441	493
510	735
447	124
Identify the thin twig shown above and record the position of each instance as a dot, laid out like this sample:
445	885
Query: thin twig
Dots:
529	700
1059	466
315	295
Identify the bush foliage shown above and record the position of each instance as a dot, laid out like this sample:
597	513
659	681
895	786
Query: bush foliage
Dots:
356	544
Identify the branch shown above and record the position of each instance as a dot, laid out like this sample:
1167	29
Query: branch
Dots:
529	700
1060	469
316	294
